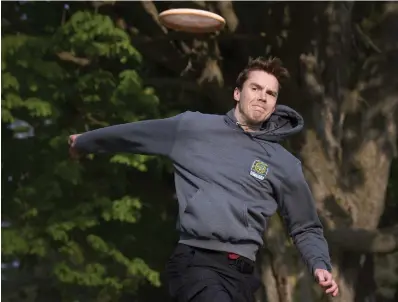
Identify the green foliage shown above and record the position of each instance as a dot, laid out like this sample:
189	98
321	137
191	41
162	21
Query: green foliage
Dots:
124	209
72	218
95	35
133	160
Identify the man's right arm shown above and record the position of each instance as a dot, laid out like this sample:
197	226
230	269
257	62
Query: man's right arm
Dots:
148	137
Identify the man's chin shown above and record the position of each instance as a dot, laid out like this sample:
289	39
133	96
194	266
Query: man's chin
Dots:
255	122
261	118
258	119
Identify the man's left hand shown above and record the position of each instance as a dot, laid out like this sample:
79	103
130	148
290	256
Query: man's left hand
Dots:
325	279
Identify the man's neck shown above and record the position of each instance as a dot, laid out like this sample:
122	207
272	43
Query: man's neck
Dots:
243	122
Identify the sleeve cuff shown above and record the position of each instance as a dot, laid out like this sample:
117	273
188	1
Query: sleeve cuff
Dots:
321	265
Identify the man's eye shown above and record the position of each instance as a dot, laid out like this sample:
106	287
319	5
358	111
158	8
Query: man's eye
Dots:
254	88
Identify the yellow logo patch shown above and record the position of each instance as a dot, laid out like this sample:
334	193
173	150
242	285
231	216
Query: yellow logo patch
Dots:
259	169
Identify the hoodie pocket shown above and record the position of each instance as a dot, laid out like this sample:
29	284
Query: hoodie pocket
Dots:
214	213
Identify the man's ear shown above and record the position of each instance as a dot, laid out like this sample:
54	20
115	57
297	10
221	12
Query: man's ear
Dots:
236	94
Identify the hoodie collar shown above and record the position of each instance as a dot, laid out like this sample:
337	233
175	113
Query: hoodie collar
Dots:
282	123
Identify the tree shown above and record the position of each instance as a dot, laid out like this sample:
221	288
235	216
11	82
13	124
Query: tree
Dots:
67	69
356	137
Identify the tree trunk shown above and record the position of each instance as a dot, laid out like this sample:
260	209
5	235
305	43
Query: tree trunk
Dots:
352	132
284	276
279	264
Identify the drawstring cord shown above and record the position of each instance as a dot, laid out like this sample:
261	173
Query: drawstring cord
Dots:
256	140
264	147
263	143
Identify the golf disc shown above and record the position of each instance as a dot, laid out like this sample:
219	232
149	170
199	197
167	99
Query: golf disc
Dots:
192	20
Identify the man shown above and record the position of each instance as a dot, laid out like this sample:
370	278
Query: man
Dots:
231	175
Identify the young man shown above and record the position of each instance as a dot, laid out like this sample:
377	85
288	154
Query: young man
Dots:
231	175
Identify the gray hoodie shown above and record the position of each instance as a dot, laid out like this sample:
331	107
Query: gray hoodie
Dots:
228	182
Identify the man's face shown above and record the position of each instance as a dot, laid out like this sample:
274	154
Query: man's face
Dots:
257	99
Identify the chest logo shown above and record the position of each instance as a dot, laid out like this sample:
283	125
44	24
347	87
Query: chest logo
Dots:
259	169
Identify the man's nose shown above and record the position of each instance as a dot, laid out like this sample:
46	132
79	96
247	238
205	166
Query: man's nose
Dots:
263	97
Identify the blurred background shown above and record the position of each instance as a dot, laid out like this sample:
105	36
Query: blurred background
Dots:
102	230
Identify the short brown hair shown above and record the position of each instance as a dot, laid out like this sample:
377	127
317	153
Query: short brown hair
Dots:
271	65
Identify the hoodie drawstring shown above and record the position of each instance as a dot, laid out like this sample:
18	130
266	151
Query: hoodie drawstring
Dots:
265	147
256	140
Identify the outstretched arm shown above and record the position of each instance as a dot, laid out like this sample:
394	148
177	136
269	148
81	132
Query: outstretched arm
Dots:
144	137
297	207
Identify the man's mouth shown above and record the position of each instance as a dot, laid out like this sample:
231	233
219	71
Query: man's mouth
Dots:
259	107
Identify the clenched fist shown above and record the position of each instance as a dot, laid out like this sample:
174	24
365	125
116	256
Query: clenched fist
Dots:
72	150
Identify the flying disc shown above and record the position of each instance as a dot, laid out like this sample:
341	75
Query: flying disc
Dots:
191	20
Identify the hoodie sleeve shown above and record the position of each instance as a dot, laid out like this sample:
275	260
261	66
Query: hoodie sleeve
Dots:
150	137
297	207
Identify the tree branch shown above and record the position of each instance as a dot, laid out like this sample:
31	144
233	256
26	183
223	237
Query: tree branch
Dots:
151	9
176	35
365	241
174	82
227	11
366	39
328	83
67	56
382	107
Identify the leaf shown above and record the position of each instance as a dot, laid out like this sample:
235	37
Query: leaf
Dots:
97	243
13	242
74	252
125	210
11	101
9	81
59	231
68	171
37	107
38	247
133	160
33	212
6	116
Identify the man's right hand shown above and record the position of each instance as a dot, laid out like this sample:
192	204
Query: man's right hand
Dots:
72	150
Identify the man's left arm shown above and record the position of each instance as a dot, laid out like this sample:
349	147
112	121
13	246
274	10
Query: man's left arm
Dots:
297	207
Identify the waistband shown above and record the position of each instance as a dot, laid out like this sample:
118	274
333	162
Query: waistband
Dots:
247	249
239	263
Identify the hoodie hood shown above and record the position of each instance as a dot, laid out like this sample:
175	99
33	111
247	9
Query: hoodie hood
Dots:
282	123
